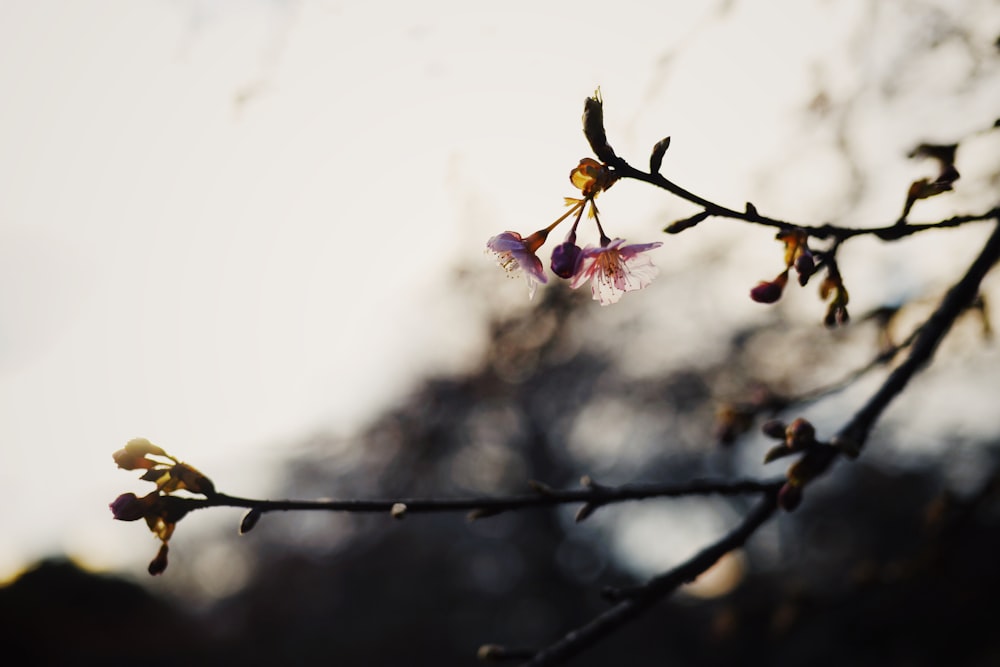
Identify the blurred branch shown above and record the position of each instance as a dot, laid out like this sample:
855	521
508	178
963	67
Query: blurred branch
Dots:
636	600
882	358
851	438
813	463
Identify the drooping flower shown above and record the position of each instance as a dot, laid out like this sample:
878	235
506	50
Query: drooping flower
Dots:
517	255
615	268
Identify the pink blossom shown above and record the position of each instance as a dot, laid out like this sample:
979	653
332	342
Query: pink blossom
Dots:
614	269
516	254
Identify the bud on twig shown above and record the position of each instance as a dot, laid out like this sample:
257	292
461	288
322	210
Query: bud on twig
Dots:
593	128
774	428
776	453
686	223
250	520
799	435
398	510
541	488
482	513
790	496
656	157
585	510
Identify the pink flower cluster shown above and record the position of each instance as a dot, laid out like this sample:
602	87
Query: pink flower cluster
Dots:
612	268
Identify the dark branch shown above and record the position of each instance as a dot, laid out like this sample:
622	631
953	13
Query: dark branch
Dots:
959	297
592	496
851	438
889	232
642	598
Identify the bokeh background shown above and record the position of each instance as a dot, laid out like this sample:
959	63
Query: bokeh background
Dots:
253	232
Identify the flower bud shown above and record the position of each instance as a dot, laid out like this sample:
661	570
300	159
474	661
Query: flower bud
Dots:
250	520
805	264
790	496
128	507
776	453
769	292
800	434
593	127
656	156
159	564
565	259
774	428
686	223
127	460
142	446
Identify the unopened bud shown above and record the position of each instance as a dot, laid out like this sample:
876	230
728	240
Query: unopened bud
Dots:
774	428
805	265
768	292
790	496
686	223
656	156
585	510
565	259
142	446
398	510
800	434
776	453
250	520
483	512
159	564
128	507
593	128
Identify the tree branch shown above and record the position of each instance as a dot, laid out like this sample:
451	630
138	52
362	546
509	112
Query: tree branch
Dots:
851	438
888	232
816	460
592	496
640	599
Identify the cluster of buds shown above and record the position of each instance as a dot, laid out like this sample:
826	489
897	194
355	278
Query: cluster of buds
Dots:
160	509
612	267
833	288
797	437
800	258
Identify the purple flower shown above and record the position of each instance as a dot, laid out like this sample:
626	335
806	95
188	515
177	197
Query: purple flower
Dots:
516	254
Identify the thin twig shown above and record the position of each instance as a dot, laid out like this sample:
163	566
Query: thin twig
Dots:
593	495
880	359
886	232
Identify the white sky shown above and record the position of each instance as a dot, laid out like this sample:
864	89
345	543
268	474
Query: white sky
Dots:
224	225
